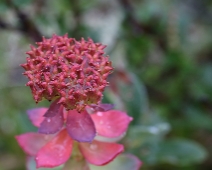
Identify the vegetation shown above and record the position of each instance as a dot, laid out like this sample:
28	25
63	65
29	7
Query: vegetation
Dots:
162	55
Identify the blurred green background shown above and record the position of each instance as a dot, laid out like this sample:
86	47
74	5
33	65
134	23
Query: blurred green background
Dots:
162	54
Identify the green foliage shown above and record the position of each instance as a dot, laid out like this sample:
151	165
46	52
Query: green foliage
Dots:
122	162
181	152
31	165
161	51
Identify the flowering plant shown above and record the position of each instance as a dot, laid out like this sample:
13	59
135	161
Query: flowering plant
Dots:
73	74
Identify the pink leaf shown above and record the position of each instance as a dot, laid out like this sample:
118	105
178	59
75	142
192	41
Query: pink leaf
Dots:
112	123
32	142
100	153
51	125
36	115
80	126
55	152
53	109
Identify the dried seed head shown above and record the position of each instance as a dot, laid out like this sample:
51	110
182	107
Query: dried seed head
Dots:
75	71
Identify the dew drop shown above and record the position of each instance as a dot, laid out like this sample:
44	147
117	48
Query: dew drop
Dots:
153	130
60	155
93	146
48	120
108	126
99	114
46	137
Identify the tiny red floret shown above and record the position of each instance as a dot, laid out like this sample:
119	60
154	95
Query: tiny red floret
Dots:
75	71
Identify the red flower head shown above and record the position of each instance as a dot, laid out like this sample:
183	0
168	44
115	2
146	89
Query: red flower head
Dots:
75	71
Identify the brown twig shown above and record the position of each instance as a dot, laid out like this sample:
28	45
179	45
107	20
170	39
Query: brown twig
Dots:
26	25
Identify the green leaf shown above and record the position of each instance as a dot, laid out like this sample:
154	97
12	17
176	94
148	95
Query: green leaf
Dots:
3	7
143	140
122	162
134	96
21	3
31	165
141	133
195	116
181	152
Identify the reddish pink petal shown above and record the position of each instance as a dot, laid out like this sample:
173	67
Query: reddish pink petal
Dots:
53	109
55	152
51	125
112	123
80	126
36	115
100	153
32	142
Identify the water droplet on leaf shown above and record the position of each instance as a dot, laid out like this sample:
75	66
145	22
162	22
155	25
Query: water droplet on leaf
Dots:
99	113
93	146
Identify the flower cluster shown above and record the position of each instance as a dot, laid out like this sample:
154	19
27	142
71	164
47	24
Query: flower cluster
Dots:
75	71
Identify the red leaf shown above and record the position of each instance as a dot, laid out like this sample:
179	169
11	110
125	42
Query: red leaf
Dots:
80	126
112	123
36	115
32	142
51	125
100	153
55	152
53	109
102	107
